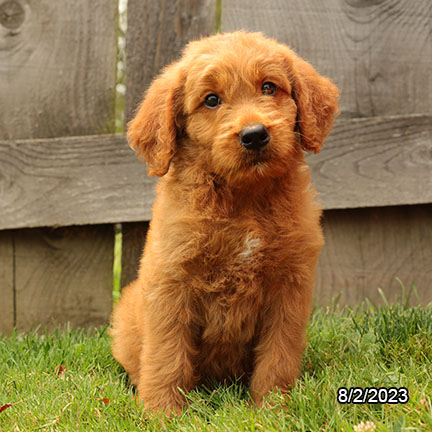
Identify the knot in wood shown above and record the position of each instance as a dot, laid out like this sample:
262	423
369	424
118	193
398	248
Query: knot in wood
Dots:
12	14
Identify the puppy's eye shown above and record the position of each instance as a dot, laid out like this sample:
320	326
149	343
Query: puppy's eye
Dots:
268	88
212	101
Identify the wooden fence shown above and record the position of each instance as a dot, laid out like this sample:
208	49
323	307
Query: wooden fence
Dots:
65	178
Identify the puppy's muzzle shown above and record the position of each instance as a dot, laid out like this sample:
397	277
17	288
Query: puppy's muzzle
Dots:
254	137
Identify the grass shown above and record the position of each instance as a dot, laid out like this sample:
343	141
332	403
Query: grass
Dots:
68	381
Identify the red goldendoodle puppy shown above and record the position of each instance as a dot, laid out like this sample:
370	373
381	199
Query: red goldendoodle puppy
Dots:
226	277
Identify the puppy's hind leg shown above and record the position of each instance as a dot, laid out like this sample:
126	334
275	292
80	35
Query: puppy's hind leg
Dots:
126	331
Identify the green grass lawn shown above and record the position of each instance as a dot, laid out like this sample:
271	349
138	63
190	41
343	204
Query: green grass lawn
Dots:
68	381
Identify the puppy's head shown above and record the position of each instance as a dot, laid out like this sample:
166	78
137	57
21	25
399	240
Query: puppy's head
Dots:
238	105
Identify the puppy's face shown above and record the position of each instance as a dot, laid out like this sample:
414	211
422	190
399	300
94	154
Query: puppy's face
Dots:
237	105
239	109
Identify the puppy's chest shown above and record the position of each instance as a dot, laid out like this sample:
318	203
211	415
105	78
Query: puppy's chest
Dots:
227	278
230	262
234	294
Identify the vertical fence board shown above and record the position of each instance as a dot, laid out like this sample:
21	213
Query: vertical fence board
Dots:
57	68
157	32
133	240
64	275
57	77
6	282
367	47
369	248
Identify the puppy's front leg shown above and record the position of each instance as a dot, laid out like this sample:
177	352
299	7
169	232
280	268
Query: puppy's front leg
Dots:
169	351
281	343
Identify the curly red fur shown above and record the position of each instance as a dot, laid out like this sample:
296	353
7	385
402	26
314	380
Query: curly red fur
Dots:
226	277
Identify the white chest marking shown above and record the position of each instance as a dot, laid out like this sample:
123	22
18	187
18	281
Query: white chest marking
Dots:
250	244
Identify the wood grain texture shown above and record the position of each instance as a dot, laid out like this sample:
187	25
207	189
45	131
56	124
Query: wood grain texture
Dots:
134	238
375	162
57	68
157	33
367	249
7	318
74	180
62	276
57	77
378	52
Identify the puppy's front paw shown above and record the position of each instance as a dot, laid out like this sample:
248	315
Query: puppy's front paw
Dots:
263	383
162	402
257	398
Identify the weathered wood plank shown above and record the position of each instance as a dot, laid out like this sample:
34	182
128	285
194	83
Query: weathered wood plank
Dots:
57	73
65	277
98	179
375	162
367	249
7	318
134	238
73	180
169	26
367	47
157	32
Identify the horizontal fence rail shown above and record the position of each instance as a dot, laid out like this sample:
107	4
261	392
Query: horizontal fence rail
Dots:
368	162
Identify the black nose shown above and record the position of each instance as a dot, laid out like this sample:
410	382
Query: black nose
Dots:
254	137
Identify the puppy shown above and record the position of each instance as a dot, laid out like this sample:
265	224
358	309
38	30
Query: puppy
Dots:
225	281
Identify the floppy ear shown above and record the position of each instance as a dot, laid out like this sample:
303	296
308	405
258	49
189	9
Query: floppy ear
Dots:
317	103
153	131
